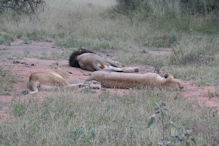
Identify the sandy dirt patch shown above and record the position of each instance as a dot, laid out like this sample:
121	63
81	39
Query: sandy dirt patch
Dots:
24	67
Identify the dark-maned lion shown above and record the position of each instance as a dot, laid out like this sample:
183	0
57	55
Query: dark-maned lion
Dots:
90	61
134	80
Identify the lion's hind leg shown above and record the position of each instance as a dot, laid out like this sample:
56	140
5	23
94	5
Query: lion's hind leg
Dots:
75	85
122	69
112	68
130	69
113	63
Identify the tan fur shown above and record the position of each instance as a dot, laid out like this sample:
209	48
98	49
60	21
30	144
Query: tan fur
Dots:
133	80
49	79
94	62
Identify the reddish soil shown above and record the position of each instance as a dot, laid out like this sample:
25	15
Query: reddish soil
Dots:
201	94
23	68
18	47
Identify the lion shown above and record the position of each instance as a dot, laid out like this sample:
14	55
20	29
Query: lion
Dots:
134	80
88	60
49	79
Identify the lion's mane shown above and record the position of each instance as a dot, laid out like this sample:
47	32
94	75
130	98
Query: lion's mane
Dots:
73	58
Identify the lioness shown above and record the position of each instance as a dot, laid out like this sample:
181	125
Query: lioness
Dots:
49	79
90	61
133	80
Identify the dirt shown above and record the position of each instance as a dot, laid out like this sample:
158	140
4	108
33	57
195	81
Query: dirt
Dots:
24	67
201	94
34	48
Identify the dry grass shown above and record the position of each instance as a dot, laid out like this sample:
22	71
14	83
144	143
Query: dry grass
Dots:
73	117
90	24
84	118
6	80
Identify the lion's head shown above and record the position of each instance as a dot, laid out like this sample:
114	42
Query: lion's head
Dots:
73	58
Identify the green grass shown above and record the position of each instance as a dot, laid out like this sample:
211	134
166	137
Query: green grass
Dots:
193	38
6	38
202	75
74	42
97	26
72	117
84	118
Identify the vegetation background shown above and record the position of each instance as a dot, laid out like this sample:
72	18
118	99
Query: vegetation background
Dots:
128	29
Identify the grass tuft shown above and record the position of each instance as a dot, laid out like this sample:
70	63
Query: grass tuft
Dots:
69	117
6	81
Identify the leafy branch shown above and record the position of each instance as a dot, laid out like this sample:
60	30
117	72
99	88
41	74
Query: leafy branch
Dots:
22	6
176	135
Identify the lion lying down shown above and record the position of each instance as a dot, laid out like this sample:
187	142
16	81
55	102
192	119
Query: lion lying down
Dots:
133	80
49	79
90	61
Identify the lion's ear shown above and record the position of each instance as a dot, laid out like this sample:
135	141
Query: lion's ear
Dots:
166	76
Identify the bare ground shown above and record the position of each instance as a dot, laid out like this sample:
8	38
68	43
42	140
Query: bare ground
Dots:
22	68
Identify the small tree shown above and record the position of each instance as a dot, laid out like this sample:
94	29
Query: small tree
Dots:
22	6
172	134
128	8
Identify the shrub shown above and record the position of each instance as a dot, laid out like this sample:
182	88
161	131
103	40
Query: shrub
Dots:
200	6
126	6
194	51
6	38
167	8
24	6
192	57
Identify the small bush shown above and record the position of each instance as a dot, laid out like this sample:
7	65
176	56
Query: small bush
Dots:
127	6
200	6
2	39
166	7
198	51
191	57
171	132
156	62
164	41
21	6
6	38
